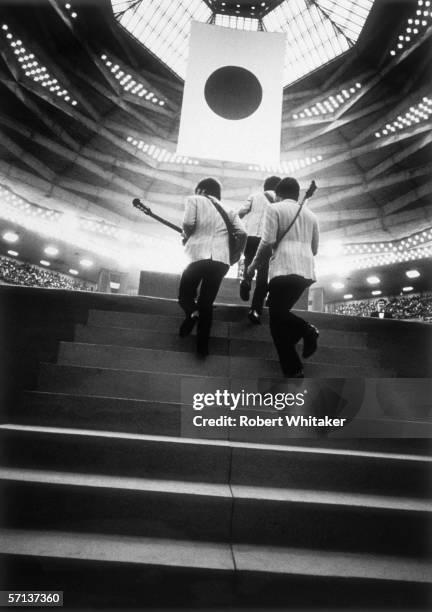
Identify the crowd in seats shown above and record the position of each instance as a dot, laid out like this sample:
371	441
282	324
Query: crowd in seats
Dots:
17	273
416	306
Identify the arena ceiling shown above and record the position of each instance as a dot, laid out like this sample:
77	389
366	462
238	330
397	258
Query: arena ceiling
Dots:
89	120
317	31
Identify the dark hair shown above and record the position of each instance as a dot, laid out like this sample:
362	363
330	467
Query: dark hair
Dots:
288	188
271	183
211	186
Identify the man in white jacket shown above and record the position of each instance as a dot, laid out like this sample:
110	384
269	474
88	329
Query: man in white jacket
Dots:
291	271
206	243
254	212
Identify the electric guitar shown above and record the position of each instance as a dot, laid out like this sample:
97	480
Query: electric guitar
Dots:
147	211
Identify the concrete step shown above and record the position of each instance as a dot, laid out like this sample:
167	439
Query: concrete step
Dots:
115	505
151	360
239	329
107	571
81	380
99	413
239	463
210	512
114	453
170	341
164	418
168	306
329	521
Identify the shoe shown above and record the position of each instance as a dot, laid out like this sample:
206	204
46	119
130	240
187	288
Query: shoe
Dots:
254	317
298	374
187	326
245	290
310	341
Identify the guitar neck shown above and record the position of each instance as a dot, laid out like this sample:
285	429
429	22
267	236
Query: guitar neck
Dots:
165	222
308	195
146	210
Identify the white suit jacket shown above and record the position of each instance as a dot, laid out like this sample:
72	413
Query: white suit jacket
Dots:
209	237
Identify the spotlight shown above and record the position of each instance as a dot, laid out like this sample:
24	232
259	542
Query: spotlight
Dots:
44	262
373	280
407	289
74	272
86	263
10	237
348	296
412	273
13	253
376	292
51	250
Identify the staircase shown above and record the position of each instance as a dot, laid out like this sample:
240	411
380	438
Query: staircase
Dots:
110	502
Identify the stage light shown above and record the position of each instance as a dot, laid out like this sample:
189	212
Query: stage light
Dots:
338	285
13	253
412	273
376	292
86	263
51	250
44	262
407	289
10	237
348	296
373	280
73	272
27	68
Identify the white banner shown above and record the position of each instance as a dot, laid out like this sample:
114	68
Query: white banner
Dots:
232	101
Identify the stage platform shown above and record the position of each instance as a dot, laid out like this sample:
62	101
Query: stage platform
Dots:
166	286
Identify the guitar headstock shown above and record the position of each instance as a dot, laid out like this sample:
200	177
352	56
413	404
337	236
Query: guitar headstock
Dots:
142	207
311	190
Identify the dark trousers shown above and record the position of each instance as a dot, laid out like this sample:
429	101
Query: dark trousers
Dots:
209	274
261	285
286	328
